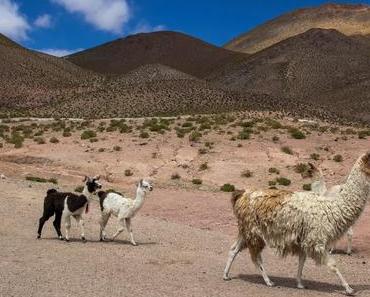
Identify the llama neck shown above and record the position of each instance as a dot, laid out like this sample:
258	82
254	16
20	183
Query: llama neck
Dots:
352	198
86	193
139	200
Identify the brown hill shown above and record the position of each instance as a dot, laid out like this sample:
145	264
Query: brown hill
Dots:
323	67
31	79
348	19
173	49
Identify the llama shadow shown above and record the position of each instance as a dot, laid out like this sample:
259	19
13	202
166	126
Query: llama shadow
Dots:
311	285
127	242
343	252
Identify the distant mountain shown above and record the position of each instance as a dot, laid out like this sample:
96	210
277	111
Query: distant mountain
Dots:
320	67
347	19
173	49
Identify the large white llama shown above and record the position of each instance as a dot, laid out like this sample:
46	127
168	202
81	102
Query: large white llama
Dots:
123	208
299	223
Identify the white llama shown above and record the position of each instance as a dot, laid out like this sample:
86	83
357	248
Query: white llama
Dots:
320	188
123	208
299	223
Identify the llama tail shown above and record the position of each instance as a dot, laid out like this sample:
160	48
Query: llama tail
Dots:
235	196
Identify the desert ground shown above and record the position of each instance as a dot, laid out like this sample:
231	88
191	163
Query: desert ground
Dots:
186	226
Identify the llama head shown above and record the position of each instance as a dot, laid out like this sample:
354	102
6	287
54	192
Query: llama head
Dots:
92	183
365	164
145	185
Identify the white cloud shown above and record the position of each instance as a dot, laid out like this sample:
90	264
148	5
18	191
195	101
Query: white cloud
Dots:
144	27
107	15
43	21
59	52
12	23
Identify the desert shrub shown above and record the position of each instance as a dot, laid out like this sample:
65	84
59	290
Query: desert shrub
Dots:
93	140
180	133
67	134
283	181
175	176
41	179
203	166
197	181
274	170
202	151
101	149
272	183
363	134
195	136
239	145
54	140
296	133
315	156
39	140
187	124
1	145
307	187
117	148
128	172
338	158
16	139
287	150
144	134
87	134
227	188
275	138
244	134
247	173
79	189
301	168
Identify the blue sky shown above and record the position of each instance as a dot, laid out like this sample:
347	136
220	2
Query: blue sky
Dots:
63	26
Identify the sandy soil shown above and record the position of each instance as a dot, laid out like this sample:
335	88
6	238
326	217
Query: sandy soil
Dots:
183	231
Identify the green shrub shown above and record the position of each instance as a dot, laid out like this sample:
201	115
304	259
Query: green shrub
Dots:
79	189
272	183
338	158
41	179
301	168
274	170
203	166
247	173
307	187
297	134
128	172
244	134
144	134
54	140
195	136
16	139
283	181
287	150
197	181
227	188
87	134
39	140
175	176
315	156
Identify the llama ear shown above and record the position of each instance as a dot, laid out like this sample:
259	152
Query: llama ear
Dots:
141	182
97	177
85	178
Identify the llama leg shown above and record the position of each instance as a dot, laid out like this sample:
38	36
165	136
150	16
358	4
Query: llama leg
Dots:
234	251
120	229
129	230
103	222
255	252
331	264
302	260
67	224
349	238
56	223
45	216
80	221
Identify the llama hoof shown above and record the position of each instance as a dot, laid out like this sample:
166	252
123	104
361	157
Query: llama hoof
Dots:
61	238
349	253
226	278
66	239
300	286
350	291
134	243
38	236
83	238
270	284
